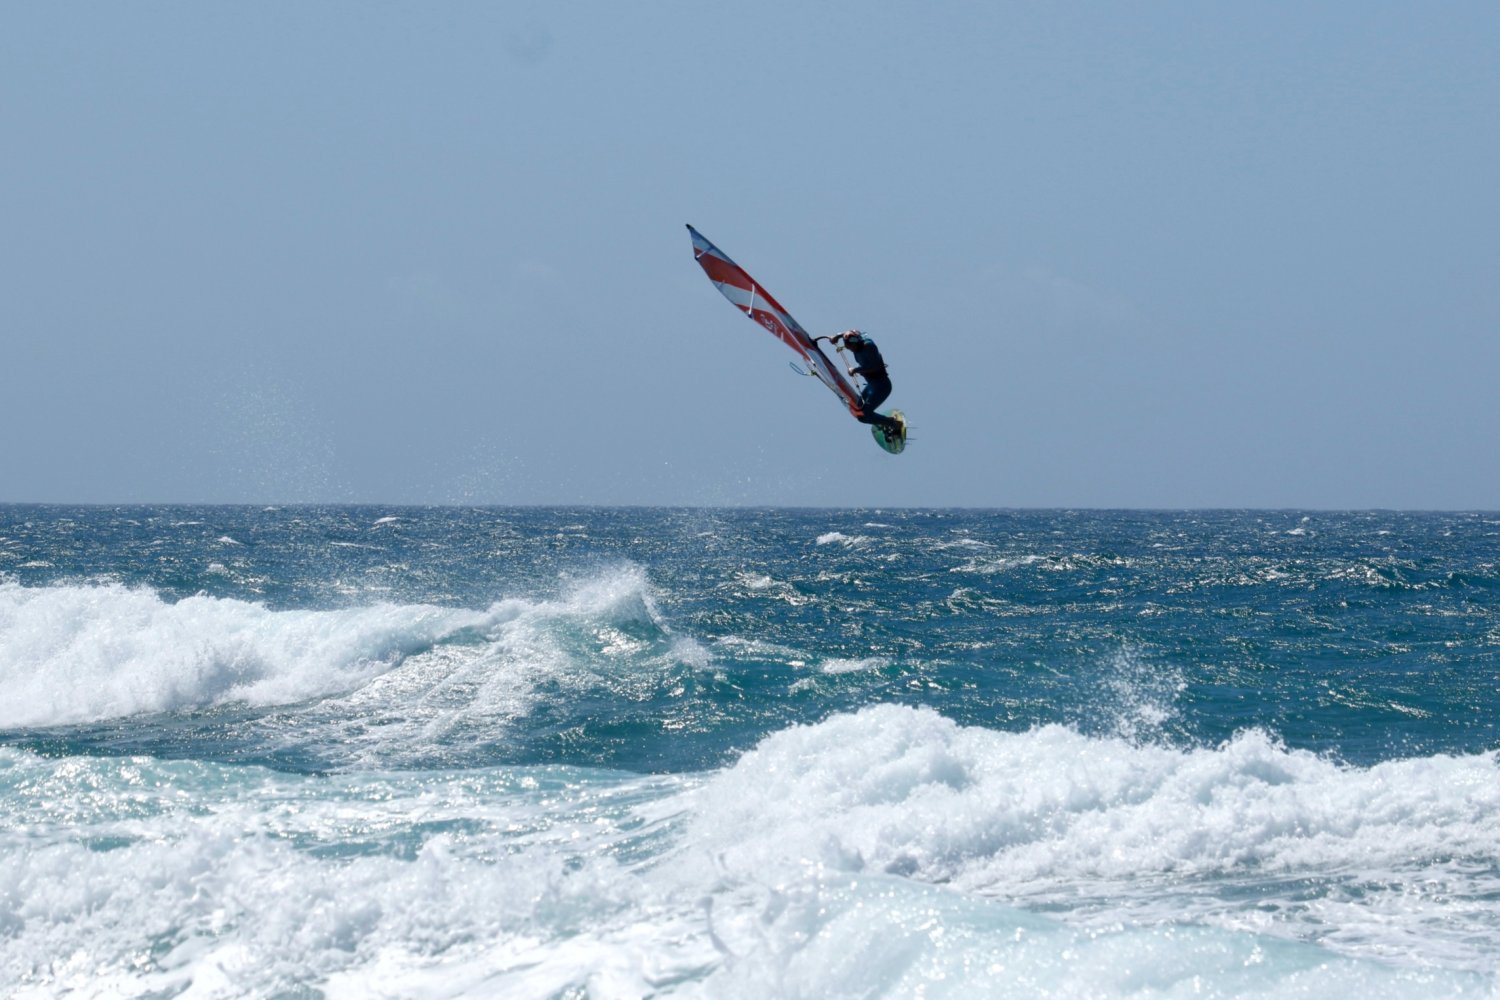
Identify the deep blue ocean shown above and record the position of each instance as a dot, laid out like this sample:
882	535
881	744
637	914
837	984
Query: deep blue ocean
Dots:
551	752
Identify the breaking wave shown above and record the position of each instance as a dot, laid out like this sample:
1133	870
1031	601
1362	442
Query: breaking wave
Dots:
871	854
75	654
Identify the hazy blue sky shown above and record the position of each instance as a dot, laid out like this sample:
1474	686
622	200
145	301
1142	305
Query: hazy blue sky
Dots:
1144	254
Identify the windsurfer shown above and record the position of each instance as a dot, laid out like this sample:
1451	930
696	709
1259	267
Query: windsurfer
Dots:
870	366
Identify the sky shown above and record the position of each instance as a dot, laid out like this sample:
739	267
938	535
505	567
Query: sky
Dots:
1162	255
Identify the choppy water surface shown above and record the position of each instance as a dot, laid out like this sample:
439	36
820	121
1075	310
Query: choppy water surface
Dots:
624	752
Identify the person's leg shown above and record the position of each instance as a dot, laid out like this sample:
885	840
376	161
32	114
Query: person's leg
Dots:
875	393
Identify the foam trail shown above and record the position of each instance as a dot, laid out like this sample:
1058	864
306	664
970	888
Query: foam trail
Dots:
603	638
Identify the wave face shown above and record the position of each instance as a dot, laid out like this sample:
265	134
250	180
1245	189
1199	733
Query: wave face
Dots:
360	751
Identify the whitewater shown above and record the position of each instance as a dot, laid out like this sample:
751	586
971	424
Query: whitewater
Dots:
594	752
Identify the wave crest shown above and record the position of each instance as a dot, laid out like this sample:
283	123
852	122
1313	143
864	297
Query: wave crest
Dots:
78	654
909	792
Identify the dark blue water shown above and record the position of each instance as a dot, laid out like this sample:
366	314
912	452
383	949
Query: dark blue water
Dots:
1366	635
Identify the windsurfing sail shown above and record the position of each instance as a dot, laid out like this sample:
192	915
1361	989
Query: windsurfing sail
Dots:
754	301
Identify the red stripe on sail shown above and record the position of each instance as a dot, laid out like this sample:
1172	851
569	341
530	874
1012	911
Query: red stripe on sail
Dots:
760	306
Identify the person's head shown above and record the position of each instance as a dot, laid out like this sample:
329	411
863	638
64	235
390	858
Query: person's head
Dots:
854	338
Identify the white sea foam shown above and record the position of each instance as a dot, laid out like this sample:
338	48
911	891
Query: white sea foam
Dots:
604	637
75	654
238	882
84	653
960	542
1117	831
759	649
889	853
1055	563
837	665
999	564
839	538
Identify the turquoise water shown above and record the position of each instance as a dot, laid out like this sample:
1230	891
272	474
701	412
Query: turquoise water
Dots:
632	752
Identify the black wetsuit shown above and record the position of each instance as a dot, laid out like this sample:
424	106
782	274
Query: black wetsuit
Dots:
870	366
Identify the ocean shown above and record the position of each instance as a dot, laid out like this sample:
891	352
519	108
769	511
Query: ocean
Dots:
366	751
